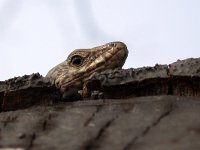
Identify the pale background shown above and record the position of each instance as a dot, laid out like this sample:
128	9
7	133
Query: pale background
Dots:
35	35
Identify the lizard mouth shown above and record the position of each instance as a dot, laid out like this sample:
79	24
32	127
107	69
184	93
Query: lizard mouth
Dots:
109	56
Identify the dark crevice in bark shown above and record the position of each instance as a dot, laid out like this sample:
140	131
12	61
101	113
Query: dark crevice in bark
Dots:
131	144
46	122
92	116
94	143
44	125
32	139
9	119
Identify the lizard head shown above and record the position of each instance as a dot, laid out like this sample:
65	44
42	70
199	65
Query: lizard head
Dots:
81	63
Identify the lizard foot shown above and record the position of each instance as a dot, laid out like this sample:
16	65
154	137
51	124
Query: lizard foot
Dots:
71	95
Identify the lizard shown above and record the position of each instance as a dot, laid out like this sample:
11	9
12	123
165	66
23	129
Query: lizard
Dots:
81	63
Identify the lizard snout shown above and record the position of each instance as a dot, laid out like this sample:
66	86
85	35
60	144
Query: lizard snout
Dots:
119	45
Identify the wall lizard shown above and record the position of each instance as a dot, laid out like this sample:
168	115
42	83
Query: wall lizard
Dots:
81	63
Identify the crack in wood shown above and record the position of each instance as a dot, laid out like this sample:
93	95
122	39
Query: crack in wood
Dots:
49	116
46	121
32	139
148	128
87	122
93	143
9	119
44	125
44	128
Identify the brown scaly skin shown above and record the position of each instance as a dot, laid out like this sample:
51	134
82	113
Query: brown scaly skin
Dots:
81	63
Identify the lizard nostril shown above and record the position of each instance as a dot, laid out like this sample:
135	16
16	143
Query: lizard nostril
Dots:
112	44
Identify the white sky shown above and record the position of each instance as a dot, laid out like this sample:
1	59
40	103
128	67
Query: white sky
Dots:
36	35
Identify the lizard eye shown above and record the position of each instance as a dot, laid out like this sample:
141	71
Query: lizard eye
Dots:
76	60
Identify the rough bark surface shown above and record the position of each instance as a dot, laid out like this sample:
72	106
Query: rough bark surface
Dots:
158	122
148	108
